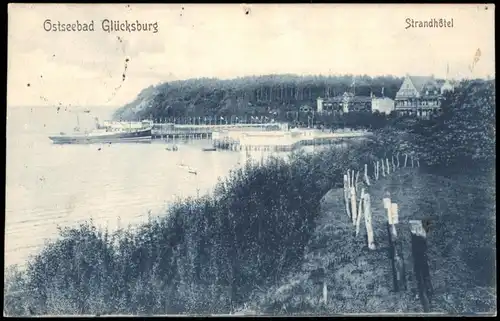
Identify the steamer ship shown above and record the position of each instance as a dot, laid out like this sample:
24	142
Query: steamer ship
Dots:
109	132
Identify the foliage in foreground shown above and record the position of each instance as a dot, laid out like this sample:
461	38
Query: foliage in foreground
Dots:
205	255
461	252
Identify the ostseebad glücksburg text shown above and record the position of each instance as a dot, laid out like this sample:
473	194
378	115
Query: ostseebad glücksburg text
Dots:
106	25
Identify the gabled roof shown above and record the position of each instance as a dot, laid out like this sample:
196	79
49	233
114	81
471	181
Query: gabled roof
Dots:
421	82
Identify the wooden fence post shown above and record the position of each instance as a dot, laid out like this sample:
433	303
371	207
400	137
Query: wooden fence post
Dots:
383	168
325	293
347	191
353	177
397	157
319	279
353	205
420	262
406	158
360	210
387	166
418	163
367	179
368	221
399	273
397	264
411	161
387	206
356	181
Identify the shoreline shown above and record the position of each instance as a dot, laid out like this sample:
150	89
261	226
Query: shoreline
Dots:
141	230
138	218
200	209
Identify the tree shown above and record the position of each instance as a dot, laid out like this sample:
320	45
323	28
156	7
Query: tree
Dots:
258	96
464	133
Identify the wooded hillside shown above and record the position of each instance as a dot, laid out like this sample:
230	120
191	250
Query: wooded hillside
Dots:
258	96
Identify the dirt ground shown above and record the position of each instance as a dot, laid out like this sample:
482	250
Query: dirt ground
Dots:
461	251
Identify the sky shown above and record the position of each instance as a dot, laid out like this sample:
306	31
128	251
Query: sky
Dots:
47	68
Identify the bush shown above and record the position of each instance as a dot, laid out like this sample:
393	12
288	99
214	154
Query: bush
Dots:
205	255
464	134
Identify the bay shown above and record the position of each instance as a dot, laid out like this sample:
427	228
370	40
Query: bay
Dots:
115	185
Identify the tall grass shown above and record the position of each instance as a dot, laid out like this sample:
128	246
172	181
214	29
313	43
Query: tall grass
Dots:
461	252
205	255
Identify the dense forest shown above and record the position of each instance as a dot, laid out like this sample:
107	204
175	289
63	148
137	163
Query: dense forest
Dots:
271	95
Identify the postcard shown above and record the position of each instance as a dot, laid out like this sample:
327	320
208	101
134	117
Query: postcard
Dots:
250	159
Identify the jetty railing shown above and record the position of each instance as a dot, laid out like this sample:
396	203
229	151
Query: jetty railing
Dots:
204	131
281	141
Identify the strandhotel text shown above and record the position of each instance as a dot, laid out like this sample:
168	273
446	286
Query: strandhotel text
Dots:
431	23
106	25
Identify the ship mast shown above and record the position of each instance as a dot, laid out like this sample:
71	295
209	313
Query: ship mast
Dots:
77	128
354	85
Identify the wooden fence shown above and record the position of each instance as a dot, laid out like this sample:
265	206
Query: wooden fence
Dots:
358	206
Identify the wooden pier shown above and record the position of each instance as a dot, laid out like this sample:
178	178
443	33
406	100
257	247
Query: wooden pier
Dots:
171	131
252	137
283	144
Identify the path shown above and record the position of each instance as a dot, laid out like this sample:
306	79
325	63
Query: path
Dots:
360	280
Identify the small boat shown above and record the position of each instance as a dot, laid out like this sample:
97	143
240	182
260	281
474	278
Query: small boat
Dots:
87	111
192	171
172	149
209	149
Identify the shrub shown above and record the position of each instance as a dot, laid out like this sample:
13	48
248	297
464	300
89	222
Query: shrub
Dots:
206	255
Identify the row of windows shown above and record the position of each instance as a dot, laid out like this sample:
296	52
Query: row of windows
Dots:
408	91
420	113
409	103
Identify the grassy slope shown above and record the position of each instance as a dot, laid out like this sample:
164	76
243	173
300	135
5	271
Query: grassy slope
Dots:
461	245
461	251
